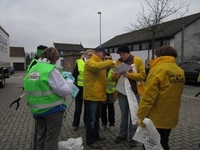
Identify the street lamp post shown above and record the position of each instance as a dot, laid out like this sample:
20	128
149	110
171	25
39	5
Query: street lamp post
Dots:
100	27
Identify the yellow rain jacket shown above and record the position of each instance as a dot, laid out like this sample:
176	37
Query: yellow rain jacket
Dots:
139	76
94	81
162	95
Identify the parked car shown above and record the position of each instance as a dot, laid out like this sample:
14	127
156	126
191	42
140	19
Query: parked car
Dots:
192	70
11	70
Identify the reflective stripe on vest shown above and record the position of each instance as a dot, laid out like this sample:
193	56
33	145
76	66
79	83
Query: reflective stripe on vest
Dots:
81	65
110	86
43	106
46	93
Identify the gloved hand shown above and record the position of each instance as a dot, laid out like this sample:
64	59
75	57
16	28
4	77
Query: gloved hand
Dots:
141	124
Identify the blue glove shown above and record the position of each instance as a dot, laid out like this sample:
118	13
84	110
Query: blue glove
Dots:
68	75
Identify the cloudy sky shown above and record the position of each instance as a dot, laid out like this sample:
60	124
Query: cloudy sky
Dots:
34	22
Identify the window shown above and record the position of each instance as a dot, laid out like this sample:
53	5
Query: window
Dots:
61	62
136	47
191	67
115	49
157	44
145	46
166	42
110	50
61	53
130	47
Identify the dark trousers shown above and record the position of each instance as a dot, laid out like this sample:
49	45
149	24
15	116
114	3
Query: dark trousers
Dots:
110	116
164	135
78	108
35	137
49	128
93	111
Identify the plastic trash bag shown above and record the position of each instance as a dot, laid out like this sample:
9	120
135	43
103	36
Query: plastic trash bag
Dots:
149	136
71	144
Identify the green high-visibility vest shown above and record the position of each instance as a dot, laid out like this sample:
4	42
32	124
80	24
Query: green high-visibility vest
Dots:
40	96
81	65
110	86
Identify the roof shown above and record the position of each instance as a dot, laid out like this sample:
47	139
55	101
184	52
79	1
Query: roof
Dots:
4	31
69	47
17	52
170	29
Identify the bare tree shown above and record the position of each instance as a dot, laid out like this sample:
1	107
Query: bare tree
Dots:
155	13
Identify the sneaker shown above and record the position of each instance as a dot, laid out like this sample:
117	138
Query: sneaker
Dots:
95	146
133	143
119	139
75	128
112	128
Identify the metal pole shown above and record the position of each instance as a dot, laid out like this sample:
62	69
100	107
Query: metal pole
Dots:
100	27
182	42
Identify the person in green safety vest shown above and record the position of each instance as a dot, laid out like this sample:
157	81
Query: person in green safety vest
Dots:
40	49
109	103
46	90
78	73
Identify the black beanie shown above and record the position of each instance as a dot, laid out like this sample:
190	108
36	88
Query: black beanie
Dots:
123	48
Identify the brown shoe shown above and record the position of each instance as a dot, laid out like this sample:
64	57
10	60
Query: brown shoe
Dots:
101	138
95	146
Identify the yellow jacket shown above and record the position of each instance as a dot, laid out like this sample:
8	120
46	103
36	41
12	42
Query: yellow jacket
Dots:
139	76
94	81
162	96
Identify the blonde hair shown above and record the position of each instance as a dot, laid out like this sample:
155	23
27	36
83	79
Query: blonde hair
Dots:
51	54
87	51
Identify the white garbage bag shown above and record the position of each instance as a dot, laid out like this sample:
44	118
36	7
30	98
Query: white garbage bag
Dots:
149	136
71	144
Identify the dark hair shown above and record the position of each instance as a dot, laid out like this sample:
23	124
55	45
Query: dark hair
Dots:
51	54
165	51
123	48
107	54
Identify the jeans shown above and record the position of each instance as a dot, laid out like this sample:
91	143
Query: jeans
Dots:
124	107
78	108
93	111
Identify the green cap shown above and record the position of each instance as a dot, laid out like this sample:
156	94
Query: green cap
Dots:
40	49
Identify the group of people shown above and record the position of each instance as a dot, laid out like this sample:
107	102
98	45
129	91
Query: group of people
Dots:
158	98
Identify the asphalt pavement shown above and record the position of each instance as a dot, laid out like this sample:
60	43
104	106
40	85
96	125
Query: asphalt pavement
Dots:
17	126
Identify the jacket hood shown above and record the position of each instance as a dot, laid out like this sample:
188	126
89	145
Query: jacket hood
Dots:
162	59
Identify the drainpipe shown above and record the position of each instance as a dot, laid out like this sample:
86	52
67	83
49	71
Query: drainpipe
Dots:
182	42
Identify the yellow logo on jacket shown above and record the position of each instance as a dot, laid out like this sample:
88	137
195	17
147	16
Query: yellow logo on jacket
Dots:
176	78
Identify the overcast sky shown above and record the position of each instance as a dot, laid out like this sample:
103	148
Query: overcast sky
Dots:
34	22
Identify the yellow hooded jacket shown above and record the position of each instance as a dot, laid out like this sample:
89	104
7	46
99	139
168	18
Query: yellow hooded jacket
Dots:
139	76
162	95
94	81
